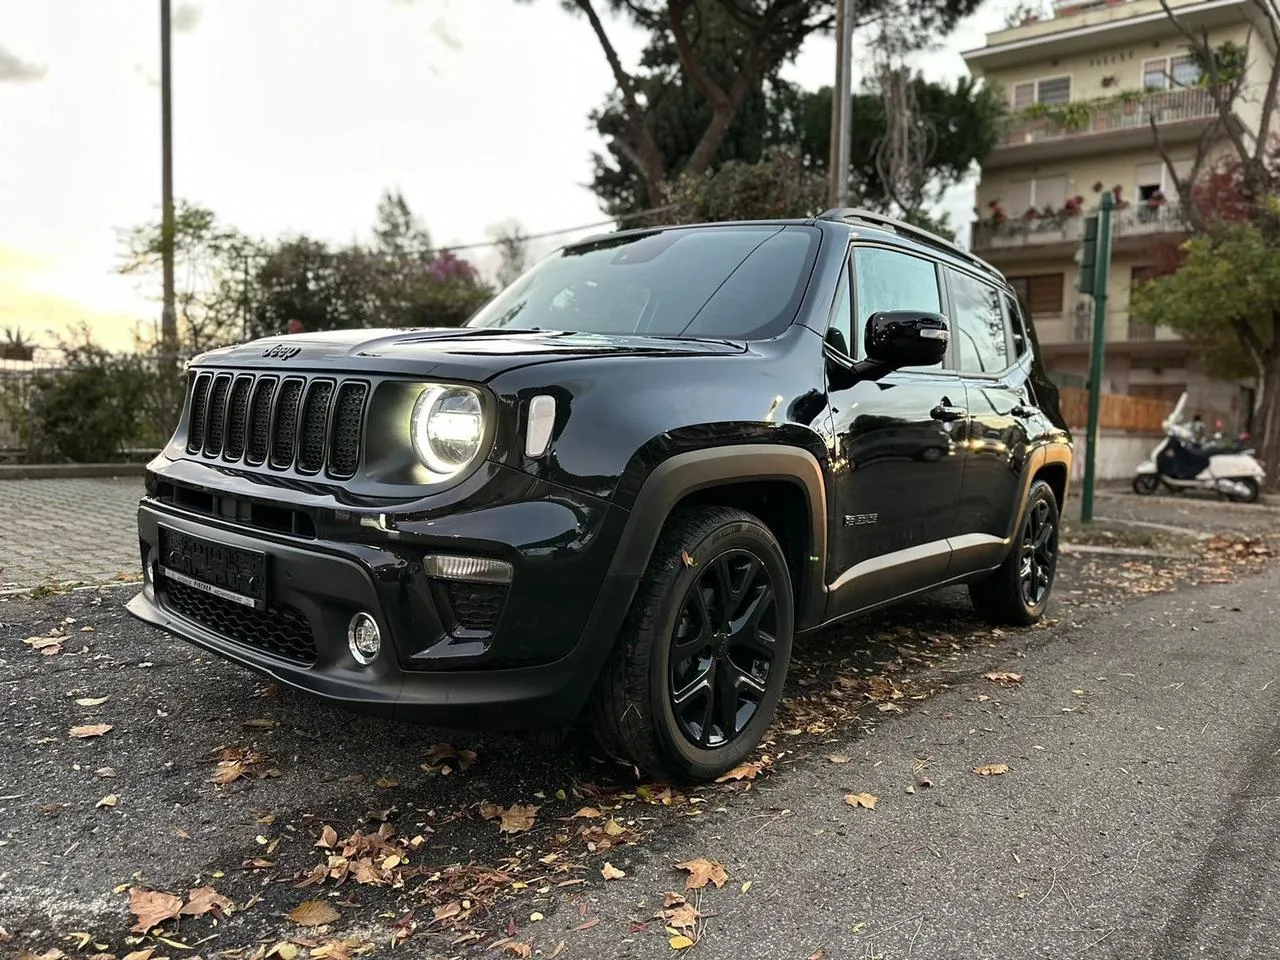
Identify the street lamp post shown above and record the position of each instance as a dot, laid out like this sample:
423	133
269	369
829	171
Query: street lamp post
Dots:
168	316
841	114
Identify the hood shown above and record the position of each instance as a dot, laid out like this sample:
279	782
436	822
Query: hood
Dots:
452	353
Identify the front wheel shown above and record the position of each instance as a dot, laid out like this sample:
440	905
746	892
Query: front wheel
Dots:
1146	484
1017	592
699	667
1254	491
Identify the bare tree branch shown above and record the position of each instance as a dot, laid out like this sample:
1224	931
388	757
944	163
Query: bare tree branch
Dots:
650	159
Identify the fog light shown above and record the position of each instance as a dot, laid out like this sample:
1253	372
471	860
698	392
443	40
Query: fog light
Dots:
471	569
364	639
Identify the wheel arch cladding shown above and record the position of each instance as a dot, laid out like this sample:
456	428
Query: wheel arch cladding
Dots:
783	486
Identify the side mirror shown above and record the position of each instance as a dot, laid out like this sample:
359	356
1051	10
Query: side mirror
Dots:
906	338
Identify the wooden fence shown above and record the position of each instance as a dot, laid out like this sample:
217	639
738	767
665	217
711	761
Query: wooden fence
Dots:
1115	412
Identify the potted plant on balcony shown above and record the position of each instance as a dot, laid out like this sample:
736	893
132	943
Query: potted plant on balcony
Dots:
1073	207
998	216
1117	193
16	346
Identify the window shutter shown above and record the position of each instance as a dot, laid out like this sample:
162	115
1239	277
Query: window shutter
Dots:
1024	94
1051	192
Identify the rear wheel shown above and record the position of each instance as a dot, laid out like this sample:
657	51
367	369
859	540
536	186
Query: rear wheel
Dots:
1253	494
1146	483
699	667
1017	592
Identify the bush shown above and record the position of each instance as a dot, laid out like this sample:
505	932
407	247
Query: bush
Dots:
100	403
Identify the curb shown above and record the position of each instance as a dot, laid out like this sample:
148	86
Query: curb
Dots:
66	471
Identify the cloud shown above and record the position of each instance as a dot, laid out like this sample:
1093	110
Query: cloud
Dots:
185	18
16	70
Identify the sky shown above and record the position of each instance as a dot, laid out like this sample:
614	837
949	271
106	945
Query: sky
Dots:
292	116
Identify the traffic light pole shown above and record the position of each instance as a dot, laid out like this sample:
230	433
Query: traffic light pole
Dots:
1094	268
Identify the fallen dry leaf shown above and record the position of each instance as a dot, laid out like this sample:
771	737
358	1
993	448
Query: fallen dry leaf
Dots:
865	800
743	771
92	701
610	872
560	947
140	954
586	813
614	829
152	908
518	949
517	818
260	724
90	730
686	559
313	913
839	758
328	837
204	900
110	800
701	872
1000	676
991	769
680	942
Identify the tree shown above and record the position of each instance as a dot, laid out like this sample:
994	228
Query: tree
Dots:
769	32
959	124
1228	204
678	113
778	186
211	270
513	252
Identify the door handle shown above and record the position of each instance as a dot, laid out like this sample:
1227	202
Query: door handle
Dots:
944	411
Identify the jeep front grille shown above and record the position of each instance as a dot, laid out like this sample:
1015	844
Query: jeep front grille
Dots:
305	424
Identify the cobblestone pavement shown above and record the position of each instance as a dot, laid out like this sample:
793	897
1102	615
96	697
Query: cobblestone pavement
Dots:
67	530
83	530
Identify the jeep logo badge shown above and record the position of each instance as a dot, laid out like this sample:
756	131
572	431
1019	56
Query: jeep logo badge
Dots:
282	351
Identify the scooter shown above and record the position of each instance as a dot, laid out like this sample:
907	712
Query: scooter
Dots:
1181	463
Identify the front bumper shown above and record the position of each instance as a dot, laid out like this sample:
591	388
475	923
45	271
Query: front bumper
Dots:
535	665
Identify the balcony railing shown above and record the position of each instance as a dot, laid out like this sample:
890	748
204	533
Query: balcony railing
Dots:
1137	219
1085	119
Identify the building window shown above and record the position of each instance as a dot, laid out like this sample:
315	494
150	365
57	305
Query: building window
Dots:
1170	73
1184	71
1155	75
1149	180
1040	192
1042	293
1054	90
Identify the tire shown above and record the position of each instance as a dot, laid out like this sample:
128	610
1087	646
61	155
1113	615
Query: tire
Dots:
633	713
1145	484
1013	594
1254	491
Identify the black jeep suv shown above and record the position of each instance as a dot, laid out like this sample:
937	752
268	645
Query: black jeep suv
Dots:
624	487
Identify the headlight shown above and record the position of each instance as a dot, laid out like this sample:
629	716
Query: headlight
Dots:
447	429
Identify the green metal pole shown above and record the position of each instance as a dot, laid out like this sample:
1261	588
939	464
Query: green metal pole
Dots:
1099	343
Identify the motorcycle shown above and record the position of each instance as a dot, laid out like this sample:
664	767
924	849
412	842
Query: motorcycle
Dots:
1179	463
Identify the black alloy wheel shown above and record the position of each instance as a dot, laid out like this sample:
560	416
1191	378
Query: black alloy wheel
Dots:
700	664
1039	553
1017	592
722	650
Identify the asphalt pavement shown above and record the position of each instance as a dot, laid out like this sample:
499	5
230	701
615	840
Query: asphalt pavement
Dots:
1136	817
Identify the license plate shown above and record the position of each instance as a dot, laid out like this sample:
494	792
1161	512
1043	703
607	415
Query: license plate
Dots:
231	573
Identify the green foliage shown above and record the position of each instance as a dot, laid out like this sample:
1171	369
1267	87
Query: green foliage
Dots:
1228	282
777	187
212	261
233	288
677	113
98	403
1230	61
736	42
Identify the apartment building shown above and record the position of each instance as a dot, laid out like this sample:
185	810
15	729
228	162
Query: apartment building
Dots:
1083	88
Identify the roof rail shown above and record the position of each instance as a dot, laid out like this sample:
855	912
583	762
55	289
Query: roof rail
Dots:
902	227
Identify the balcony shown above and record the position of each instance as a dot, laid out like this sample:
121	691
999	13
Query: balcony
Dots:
1079	128
1059	234
1072	332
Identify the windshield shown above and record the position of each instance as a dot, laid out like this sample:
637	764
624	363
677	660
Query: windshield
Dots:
732	282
